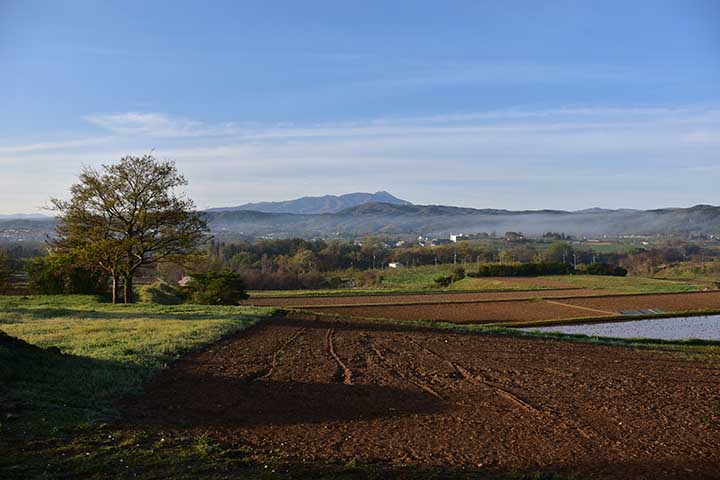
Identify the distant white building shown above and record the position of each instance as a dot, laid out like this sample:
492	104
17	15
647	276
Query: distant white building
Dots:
395	265
457	237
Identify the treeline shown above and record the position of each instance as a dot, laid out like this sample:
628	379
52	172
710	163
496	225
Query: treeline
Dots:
305	264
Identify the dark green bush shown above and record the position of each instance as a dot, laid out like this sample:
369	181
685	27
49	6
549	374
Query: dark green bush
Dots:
443	281
458	273
216	288
600	268
59	274
522	269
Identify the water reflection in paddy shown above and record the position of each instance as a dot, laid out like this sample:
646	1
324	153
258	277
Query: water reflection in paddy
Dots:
677	328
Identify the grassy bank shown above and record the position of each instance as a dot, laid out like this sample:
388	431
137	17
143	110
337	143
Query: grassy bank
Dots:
107	351
422	280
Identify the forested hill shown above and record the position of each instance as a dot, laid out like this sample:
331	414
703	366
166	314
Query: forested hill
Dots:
431	220
438	220
324	204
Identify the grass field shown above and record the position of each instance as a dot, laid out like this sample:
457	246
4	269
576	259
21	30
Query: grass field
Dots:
422	279
706	272
627	284
111	351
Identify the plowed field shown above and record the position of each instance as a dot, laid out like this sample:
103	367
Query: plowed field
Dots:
670	302
399	299
303	389
479	312
531	310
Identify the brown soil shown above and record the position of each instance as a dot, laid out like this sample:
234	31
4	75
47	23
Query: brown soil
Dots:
480	312
550	308
670	302
301	302
314	390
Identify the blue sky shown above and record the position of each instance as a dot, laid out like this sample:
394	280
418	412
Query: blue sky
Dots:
488	104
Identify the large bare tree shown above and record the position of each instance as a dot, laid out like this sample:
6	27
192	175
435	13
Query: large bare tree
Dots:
128	215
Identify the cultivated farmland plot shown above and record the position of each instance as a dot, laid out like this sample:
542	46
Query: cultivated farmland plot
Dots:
311	390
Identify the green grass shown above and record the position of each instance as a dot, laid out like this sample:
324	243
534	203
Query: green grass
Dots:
422	280
626	284
705	272
414	277
109	351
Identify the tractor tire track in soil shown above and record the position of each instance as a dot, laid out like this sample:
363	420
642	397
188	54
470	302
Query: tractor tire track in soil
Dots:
392	393
276	354
478	379
396	371
346	372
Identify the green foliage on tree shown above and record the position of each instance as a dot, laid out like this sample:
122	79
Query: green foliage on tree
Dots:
559	251
126	216
63	274
216	288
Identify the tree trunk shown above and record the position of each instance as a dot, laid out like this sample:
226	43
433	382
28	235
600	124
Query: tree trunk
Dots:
128	293
115	287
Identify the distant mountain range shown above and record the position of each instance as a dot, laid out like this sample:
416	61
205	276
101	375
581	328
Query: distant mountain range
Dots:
24	216
312	205
439	220
400	217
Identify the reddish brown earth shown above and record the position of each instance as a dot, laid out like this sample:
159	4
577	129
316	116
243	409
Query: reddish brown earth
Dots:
321	390
479	312
399	299
670	302
531	310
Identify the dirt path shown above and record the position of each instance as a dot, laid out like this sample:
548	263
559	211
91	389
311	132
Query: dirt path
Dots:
308	389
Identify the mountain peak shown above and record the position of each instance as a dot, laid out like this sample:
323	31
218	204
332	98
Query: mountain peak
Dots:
315	205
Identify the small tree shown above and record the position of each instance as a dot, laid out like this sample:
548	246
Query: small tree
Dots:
126	216
560	251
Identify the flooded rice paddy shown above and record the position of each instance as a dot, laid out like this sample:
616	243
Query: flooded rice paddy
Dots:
677	328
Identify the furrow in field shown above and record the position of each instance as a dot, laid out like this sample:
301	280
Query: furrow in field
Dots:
398	371
330	345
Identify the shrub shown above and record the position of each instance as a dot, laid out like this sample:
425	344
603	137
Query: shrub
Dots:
58	274
443	281
216	288
370	279
161	293
600	268
458	274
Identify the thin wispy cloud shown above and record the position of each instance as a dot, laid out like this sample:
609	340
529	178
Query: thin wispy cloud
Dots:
502	152
157	125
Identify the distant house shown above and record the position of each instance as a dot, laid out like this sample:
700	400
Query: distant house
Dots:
457	237
395	265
